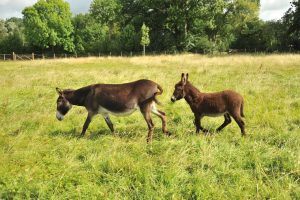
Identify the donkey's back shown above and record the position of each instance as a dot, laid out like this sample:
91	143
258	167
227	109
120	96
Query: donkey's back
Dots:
218	103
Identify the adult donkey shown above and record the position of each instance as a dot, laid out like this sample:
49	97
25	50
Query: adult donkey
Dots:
116	99
227	103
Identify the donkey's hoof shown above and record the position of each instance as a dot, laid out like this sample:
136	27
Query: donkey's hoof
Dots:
205	131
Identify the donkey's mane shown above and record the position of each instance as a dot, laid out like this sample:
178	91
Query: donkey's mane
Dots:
77	97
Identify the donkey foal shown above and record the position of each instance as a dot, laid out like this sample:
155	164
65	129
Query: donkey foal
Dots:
227	103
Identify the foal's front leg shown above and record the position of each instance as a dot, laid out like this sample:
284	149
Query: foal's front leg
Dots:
86	123
198	124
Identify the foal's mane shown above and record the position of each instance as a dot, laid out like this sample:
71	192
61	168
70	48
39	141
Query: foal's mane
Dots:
192	88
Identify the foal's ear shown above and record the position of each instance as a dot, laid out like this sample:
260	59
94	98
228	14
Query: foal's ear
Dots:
187	76
59	91
183	79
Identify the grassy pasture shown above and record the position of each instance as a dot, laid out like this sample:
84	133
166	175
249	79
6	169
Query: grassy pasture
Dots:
41	157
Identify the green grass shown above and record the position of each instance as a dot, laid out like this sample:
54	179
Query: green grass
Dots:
41	157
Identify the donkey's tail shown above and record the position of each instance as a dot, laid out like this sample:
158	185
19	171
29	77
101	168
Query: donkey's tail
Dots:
242	109
159	92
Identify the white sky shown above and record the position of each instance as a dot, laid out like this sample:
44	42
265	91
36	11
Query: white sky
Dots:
270	9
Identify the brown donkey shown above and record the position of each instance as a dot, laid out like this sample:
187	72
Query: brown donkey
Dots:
227	103
116	99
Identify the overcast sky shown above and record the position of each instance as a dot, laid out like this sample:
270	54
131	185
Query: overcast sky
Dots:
270	9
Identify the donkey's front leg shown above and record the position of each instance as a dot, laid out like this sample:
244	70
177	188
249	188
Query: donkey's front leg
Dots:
109	123
86	123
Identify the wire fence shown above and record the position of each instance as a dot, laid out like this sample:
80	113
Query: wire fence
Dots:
36	56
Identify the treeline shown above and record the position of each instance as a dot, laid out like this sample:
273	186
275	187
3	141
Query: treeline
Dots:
173	25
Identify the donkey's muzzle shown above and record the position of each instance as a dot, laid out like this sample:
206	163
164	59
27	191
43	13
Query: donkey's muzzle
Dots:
59	116
173	99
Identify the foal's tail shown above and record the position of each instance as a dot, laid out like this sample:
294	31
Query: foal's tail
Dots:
159	92
242	109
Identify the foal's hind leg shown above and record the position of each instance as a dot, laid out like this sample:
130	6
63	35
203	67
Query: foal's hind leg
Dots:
162	116
225	123
237	117
146	109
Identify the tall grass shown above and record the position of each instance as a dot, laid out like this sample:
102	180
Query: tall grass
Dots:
41	157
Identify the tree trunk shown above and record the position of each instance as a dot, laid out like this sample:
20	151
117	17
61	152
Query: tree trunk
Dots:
144	50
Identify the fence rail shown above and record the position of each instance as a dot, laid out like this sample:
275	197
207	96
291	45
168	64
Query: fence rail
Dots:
34	56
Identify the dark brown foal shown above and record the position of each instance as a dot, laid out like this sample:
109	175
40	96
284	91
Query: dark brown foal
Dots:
227	103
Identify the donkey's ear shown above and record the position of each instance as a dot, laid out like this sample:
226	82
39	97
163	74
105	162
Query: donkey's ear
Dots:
187	76
59	91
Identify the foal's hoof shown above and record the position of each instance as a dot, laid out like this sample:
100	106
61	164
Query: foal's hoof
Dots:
149	141
167	133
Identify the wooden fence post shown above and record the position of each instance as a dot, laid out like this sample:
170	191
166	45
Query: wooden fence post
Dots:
43	56
99	54
131	53
14	57
54	56
3	56
32	56
121	53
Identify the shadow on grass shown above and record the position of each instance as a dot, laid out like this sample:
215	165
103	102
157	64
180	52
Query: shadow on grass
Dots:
72	133
120	133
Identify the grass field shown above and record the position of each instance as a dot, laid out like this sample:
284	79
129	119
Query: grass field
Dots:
42	158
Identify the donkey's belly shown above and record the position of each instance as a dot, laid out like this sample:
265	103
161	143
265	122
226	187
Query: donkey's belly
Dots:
213	114
104	111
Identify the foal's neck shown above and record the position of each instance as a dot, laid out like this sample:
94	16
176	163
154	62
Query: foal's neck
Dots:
191	93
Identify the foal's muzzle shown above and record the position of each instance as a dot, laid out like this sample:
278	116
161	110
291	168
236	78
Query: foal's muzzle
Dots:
173	99
59	116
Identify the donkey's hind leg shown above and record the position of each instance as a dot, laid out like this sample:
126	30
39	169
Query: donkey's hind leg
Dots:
109	123
225	123
146	110
162	116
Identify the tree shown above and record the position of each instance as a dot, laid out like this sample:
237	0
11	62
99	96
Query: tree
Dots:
3	30
106	12
292	20
128	38
145	41
48	24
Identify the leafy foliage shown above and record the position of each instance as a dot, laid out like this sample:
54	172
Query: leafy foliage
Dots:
145	41
115	25
48	24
